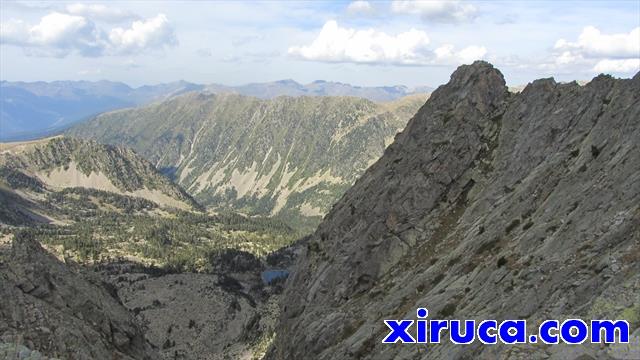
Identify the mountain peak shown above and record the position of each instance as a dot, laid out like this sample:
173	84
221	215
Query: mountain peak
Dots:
480	84
478	179
287	82
479	70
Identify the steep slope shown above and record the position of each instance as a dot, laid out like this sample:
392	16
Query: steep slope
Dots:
287	156
489	205
60	162
62	311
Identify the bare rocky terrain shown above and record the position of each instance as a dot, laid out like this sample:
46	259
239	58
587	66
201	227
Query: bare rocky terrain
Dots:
59	309
228	314
489	205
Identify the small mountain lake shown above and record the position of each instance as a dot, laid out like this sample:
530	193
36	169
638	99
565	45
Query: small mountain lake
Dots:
269	276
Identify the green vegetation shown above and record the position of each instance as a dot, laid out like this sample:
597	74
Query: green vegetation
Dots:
180	241
290	156
91	225
18	180
81	203
127	171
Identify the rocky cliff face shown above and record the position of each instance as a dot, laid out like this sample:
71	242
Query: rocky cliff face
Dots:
489	205
292	157
62	311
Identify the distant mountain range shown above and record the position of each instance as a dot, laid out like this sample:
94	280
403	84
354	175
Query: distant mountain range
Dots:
31	110
273	89
36	109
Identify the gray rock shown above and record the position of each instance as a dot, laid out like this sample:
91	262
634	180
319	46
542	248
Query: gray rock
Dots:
41	300
489	205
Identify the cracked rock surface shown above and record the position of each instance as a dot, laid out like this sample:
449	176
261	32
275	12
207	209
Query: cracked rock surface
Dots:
62	310
489	205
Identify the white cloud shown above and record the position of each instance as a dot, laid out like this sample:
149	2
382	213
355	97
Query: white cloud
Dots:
592	43
59	34
618	66
359	7
446	53
152	33
55	35
452	11
100	12
604	53
338	44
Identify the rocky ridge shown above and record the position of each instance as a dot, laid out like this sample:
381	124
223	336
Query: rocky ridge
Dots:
489	205
61	162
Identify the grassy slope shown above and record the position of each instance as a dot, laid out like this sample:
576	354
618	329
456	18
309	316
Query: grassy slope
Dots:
279	155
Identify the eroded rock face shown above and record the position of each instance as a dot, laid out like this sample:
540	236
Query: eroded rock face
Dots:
125	310
62	311
227	314
489	205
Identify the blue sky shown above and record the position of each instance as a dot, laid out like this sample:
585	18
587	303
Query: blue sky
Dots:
358	42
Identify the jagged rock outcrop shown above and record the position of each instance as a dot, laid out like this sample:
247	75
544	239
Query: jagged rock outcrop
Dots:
489	205
62	311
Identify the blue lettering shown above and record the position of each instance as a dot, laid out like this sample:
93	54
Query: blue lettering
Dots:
422	325
483	332
545	331
398	332
582	331
513	331
609	328
457	337
436	327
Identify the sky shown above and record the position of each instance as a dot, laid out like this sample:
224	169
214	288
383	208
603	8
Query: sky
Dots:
367	43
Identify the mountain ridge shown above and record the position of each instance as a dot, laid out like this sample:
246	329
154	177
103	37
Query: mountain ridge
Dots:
290	156
59	163
489	205
35	109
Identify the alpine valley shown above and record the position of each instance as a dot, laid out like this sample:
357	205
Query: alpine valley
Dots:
290	157
285	221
